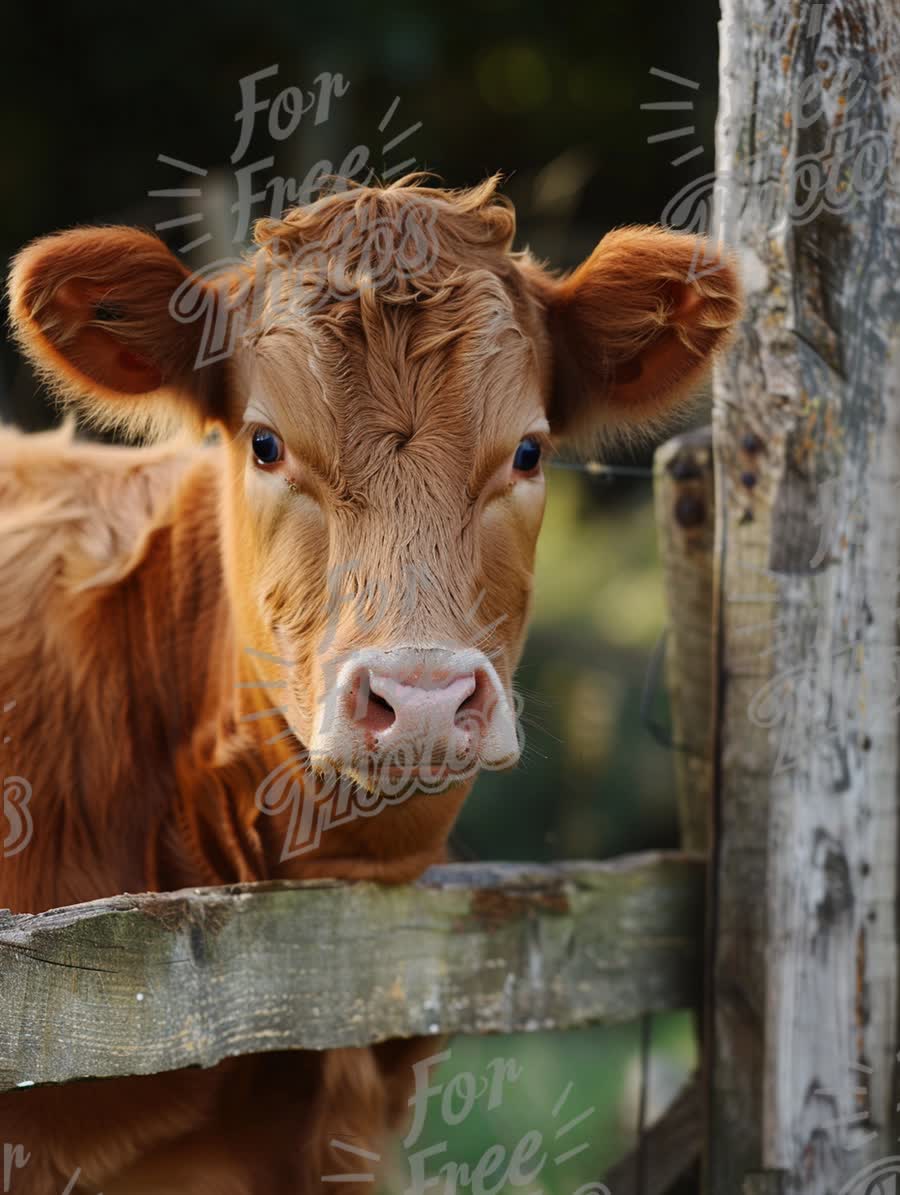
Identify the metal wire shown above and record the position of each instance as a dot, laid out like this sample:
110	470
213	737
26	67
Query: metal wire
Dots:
640	1183
597	469
652	684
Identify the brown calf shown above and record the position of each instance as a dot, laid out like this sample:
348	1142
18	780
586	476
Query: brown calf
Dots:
334	593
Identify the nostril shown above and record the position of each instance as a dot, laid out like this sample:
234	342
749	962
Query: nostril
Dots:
478	705
369	709
379	715
421	705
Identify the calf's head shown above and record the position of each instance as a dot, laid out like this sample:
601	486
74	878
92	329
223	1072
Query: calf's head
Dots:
390	377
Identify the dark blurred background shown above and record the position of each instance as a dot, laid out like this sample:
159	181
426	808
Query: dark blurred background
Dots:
551	96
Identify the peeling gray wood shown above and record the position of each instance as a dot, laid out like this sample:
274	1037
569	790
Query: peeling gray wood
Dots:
807	437
685	521
142	984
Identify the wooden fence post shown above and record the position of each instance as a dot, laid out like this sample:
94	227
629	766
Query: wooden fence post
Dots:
685	522
684	499
804	972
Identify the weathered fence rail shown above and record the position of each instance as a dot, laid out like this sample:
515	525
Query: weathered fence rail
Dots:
142	984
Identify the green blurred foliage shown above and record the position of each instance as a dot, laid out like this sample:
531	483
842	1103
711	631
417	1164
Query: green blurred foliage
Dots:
592	782
580	1093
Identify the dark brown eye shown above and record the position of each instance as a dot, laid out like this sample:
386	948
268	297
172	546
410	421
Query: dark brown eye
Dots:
528	456
267	447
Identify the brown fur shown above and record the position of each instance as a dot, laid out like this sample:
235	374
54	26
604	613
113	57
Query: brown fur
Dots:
133	580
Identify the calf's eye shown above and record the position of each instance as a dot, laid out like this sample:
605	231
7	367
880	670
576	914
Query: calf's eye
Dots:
267	447
528	456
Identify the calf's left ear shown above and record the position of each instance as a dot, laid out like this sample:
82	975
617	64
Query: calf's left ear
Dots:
634	328
91	308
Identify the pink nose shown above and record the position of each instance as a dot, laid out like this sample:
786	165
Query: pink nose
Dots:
432	711
406	707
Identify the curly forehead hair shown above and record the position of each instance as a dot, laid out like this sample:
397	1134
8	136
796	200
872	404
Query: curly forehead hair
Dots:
406	241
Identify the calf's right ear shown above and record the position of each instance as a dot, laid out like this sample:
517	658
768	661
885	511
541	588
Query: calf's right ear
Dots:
633	330
91	309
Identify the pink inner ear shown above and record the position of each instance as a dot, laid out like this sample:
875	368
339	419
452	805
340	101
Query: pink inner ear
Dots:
141	368
685	299
74	299
131	371
99	356
133	362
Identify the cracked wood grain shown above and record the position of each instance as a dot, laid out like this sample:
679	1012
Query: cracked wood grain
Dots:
157	982
803	1025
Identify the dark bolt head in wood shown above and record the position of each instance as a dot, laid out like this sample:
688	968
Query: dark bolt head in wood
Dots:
684	468
690	511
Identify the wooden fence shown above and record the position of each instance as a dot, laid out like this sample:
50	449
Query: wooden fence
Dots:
780	540
142	984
